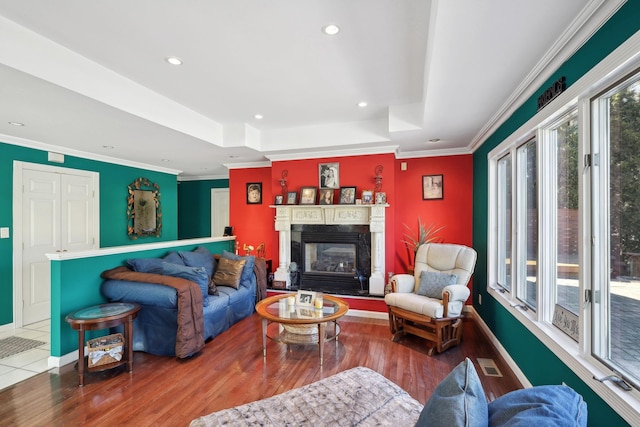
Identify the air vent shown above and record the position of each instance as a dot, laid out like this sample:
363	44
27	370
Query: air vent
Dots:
489	368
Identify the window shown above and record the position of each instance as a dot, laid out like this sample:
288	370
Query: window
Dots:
527	220
564	227
616	211
504	222
563	140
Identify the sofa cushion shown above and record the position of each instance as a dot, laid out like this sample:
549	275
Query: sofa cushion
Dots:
173	257
199	257
247	272
197	275
432	283
146	265
229	272
541	406
458	400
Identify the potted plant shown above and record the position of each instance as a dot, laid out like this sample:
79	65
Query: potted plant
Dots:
412	241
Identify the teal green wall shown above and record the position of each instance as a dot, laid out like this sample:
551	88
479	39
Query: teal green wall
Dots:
525	349
114	180
194	207
75	284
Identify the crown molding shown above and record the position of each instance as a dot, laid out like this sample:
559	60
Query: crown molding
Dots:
583	27
28	143
247	165
434	153
391	149
201	177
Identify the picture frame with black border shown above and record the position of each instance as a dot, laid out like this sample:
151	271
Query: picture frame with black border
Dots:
254	193
329	175
308	195
292	198
326	196
432	187
279	199
347	195
305	298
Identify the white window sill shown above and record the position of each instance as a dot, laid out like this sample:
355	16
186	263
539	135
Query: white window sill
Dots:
625	403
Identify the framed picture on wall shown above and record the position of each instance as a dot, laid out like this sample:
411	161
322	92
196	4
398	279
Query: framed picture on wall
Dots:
254	193
329	175
432	187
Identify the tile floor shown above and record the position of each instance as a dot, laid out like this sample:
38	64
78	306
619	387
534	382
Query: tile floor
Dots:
21	366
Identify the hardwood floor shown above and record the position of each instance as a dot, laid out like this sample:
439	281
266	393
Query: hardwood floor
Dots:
231	371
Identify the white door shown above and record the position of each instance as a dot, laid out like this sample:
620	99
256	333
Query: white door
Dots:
219	211
57	216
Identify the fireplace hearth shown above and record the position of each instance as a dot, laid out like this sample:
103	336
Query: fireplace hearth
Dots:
331	258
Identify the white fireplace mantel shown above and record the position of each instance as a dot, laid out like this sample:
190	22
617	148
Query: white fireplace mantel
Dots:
371	215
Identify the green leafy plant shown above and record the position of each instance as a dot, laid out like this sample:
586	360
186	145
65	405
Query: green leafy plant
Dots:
425	234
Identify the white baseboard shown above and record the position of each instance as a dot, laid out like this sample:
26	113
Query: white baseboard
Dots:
503	352
57	362
368	314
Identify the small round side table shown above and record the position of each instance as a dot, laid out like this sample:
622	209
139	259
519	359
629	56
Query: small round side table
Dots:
104	316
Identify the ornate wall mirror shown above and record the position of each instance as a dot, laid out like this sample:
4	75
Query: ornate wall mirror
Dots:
144	215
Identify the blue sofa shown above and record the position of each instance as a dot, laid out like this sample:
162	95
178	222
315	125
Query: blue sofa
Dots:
155	328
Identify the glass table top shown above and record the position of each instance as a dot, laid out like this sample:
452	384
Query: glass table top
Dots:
102	310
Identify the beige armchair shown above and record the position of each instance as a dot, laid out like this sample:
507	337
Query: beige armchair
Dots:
429	303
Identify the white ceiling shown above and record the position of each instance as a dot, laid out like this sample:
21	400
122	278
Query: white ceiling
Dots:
82	75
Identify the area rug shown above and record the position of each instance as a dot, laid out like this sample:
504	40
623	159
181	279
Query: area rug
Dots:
14	345
355	397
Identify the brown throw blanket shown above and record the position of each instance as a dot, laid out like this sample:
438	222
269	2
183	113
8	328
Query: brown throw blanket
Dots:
260	269
190	335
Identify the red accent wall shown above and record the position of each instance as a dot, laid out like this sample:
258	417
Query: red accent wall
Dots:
255	223
252	224
453	211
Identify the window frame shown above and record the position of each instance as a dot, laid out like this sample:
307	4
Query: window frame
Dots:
577	356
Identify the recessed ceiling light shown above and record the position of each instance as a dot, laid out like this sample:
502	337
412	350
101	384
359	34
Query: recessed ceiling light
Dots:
362	104
165	160
16	124
331	29
173	60
233	157
108	147
434	140
258	116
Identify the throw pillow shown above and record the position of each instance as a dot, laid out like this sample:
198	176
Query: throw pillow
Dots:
213	289
174	258
199	257
229	272
195	274
146	265
549	405
247	272
432	283
458	400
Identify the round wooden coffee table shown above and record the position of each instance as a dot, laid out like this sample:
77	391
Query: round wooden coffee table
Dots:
299	322
104	316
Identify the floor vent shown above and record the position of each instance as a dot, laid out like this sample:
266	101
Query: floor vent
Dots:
489	368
